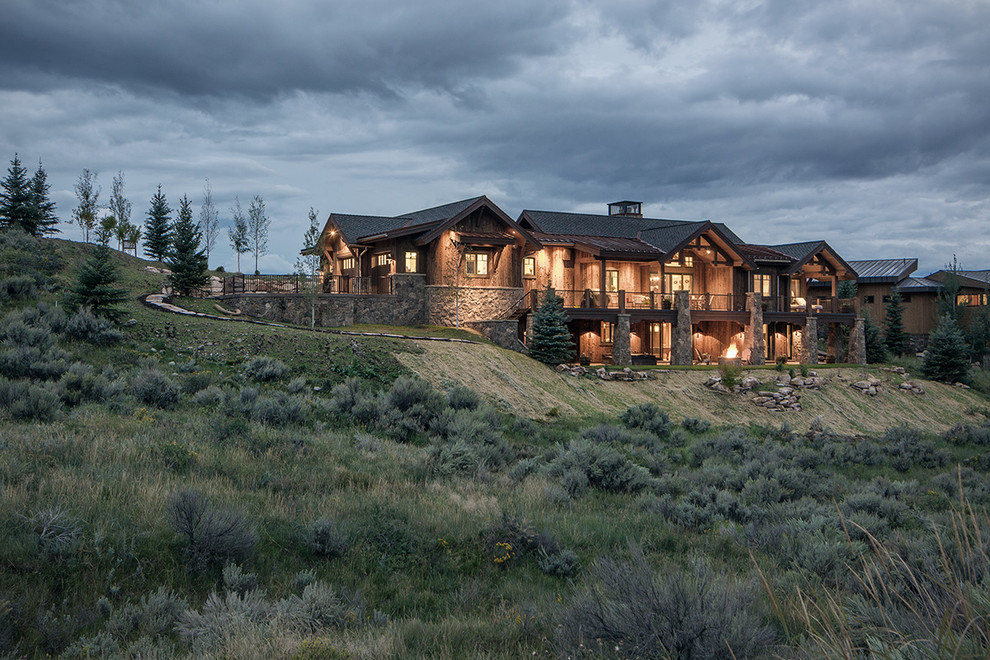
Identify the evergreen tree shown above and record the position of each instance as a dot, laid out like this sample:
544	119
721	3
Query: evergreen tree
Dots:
15	198
238	232
947	358
105	231
187	261
157	230
895	338
876	349
42	207
978	333
88	194
551	341
948	297
94	286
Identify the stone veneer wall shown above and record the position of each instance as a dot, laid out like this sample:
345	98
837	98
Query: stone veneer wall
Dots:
405	306
476	303
504	333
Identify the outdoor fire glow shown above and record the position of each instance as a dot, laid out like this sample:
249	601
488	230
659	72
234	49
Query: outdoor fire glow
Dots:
732	352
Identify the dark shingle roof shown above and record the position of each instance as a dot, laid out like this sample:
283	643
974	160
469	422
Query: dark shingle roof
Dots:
439	212
607	244
798	251
669	237
590	224
353	227
763	253
876	271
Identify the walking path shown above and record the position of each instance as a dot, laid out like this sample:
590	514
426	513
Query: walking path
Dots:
161	302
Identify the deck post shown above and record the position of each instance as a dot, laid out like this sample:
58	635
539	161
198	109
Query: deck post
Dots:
621	345
753	334
857	343
682	348
809	341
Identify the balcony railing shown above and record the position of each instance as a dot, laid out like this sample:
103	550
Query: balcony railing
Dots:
357	285
237	284
826	305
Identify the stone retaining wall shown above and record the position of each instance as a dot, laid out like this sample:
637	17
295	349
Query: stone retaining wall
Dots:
504	333
476	303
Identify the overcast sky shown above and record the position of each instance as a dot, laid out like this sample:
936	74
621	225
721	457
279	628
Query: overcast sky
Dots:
863	123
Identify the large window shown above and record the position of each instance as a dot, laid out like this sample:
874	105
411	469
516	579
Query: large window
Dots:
476	263
971	299
381	259
795	288
611	281
677	282
347	264
681	261
529	266
608	332
761	284
411	262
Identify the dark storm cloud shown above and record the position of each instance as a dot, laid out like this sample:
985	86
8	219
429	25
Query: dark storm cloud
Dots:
262	49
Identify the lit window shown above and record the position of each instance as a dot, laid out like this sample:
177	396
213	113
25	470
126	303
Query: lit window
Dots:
611	281
688	261
347	264
795	288
974	299
608	330
761	284
476	263
529	267
411	262
678	283
381	259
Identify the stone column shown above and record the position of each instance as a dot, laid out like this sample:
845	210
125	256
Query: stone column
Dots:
857	343
809	341
682	348
753	336
621	351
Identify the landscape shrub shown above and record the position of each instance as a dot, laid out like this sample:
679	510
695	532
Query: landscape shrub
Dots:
604	467
460	397
23	400
964	434
907	447
409	407
211	537
86	326
154	616
325	538
649	417
195	382
153	388
58	532
100	645
18	333
236	580
264	369
296	386
683	613
278	409
222	618
695	425
34	363
18	287
209	397
320	607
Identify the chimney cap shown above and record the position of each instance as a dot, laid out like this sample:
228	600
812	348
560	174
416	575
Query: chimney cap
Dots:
626	208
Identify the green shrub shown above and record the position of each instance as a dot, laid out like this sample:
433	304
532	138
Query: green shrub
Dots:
696	425
319	608
683	613
31	362
86	326
210	537
24	400
325	538
18	287
153	388
278	409
236	580
296	386
154	616
648	417
460	397
265	369
604	468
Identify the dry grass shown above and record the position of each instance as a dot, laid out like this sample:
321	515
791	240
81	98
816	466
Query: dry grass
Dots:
522	386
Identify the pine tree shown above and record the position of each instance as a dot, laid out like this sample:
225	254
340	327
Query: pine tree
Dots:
94	286
158	232
895	338
238	232
876	349
105	230
947	358
551	341
42	207
187	261
15	198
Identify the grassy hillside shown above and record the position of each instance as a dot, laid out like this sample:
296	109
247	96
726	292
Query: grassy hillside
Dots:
195	488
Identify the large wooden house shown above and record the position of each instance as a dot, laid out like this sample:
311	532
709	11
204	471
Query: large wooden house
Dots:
635	289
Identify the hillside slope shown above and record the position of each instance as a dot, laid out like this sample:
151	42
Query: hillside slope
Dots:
519	384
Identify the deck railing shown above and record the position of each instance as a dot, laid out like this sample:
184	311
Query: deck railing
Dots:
820	305
237	284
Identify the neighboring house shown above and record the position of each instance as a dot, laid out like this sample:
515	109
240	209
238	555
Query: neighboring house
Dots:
635	289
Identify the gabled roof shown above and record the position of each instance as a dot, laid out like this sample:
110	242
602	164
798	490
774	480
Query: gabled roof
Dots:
605	246
978	279
764	254
663	237
881	271
802	253
425	224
